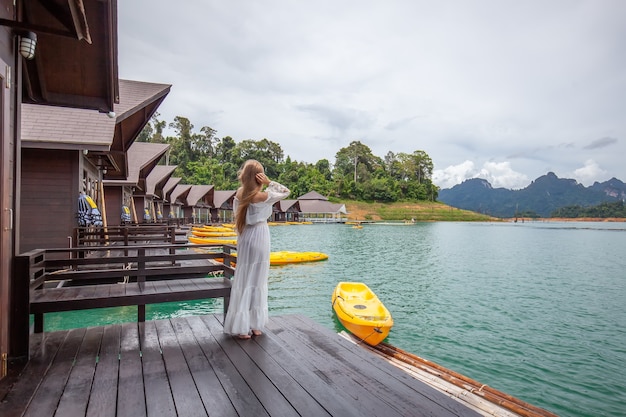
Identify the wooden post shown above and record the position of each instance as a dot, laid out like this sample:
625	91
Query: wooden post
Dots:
227	272
132	204
154	217
141	279
141	267
19	312
104	211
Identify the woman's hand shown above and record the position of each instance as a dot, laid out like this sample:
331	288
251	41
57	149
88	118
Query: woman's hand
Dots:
261	178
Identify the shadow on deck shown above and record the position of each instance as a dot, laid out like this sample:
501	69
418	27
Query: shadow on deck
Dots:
189	367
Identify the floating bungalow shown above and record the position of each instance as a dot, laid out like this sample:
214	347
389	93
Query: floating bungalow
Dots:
52	53
168	188
316	208
289	210
222	210
199	203
132	191
176	202
67	151
155	194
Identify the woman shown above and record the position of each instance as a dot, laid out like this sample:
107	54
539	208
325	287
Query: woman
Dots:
247	310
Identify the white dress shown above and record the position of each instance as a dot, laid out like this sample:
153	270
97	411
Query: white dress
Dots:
248	296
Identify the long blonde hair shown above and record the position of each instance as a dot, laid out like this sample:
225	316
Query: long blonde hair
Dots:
249	187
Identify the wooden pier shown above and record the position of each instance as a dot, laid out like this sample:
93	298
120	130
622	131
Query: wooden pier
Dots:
189	367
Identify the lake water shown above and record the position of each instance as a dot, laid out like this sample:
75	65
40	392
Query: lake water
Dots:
537	310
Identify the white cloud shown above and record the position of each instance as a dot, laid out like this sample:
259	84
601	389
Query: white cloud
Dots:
454	174
498	174
501	175
590	173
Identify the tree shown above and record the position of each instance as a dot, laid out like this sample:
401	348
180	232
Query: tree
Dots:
268	153
357	173
153	130
323	166
348	159
224	149
381	189
355	165
203	142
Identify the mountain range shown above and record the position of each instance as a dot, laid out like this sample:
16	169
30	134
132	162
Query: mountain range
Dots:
544	195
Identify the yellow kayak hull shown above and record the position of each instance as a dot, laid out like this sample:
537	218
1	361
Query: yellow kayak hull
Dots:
289	257
208	240
212	229
202	233
361	312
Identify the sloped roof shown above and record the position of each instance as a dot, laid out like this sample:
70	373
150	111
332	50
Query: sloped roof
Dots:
179	193
142	158
106	139
318	206
285	205
197	193
55	127
312	195
220	198
135	95
78	68
66	128
157	178
169	186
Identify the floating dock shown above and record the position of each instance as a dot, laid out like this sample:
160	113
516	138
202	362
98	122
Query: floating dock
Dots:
187	366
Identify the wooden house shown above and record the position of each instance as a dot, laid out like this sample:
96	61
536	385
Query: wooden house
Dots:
73	64
198	204
316	208
66	152
176	200
170	185
155	196
222	210
143	157
289	210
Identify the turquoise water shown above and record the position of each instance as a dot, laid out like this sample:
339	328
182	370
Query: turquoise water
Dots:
537	310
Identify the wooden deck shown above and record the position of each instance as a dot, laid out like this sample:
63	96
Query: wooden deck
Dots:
189	367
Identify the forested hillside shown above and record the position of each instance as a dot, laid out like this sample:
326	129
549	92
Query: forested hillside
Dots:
601	211
352	173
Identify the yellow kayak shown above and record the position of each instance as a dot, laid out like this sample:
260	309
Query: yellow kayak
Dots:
289	257
361	312
212	229
202	233
208	240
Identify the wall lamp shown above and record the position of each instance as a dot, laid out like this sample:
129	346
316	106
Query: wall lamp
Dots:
28	42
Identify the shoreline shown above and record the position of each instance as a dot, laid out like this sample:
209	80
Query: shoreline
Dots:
567	219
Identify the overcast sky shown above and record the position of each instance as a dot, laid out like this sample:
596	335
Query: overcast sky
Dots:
504	90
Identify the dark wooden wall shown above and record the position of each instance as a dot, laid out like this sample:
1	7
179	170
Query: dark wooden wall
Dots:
114	201
49	198
139	206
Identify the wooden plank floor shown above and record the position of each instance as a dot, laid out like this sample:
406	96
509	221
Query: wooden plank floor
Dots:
189	367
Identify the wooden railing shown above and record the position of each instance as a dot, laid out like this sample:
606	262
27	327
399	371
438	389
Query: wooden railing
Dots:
126	235
53	280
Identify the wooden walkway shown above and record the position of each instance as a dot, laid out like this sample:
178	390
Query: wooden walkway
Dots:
189	367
